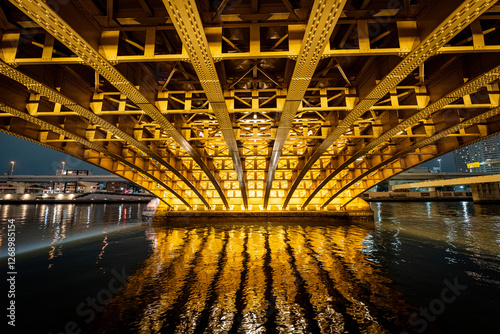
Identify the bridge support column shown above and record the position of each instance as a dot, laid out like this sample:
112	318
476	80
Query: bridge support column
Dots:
358	204
485	192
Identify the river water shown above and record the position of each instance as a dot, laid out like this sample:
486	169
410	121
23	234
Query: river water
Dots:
418	268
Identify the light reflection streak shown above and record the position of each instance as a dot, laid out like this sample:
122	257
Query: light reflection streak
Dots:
120	208
466	212
46	216
254	312
223	311
152	320
252	277
290	315
204	273
367	277
105	242
329	320
357	309
24	209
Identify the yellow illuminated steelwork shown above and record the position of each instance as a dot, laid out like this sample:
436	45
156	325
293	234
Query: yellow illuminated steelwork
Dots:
243	106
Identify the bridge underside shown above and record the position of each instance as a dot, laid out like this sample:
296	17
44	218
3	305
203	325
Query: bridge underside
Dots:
251	105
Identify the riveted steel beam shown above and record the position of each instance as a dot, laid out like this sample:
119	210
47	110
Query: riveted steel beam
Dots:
470	87
322	21
468	11
58	97
187	21
41	13
87	143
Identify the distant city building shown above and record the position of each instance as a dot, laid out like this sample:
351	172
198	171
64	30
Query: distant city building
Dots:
481	152
116	187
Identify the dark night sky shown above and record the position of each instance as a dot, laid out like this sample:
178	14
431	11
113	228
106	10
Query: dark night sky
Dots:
447	163
31	158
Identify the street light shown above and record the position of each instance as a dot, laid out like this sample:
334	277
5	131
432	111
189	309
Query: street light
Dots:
63	163
12	169
439	161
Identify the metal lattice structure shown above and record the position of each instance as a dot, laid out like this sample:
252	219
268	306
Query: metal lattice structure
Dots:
251	105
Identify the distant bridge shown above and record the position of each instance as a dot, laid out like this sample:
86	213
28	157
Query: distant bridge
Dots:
449	182
60	178
271	105
485	188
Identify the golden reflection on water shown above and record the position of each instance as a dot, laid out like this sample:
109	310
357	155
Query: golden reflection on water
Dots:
254	313
224	309
324	251
253	278
329	319
168	283
290	315
204	271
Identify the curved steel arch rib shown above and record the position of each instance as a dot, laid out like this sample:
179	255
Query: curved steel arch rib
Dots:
187	22
324	17
84	142
49	19
454	23
468	88
54	95
428	141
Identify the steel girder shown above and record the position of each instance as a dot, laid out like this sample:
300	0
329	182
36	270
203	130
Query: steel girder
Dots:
56	96
322	21
187	21
470	87
455	22
49	19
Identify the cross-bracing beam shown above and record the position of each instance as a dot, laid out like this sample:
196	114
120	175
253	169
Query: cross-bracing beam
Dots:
406	37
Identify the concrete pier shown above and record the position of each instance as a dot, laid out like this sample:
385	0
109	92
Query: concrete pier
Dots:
488	192
319	216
